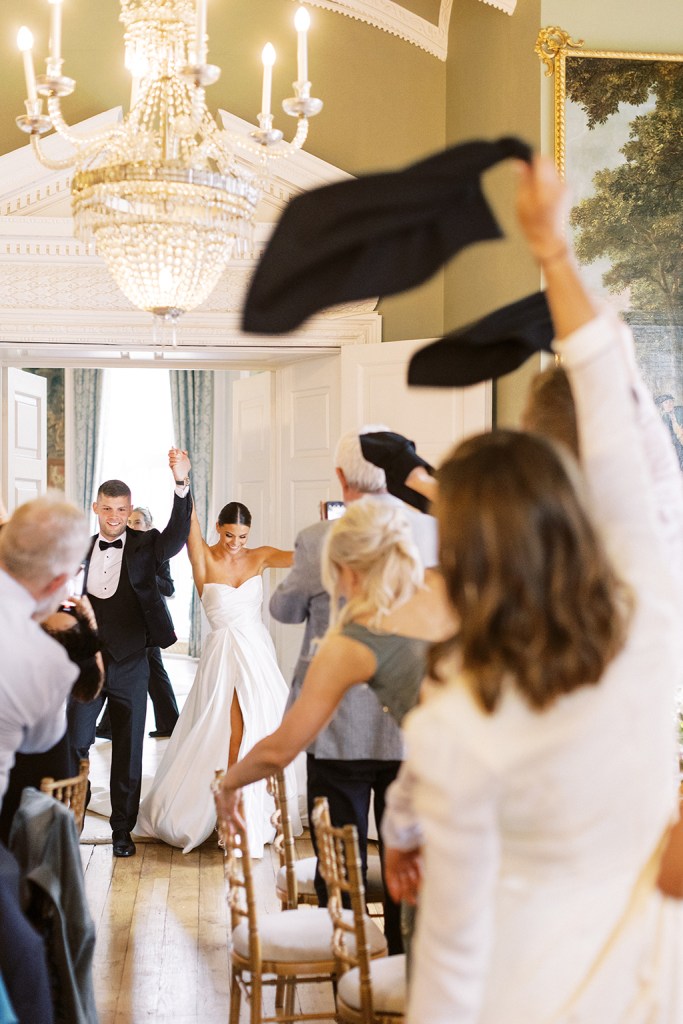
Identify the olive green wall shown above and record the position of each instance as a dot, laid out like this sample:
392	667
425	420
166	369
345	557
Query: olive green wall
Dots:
494	87
384	99
492	90
655	26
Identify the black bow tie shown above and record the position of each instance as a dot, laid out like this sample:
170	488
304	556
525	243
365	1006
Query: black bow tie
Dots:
114	544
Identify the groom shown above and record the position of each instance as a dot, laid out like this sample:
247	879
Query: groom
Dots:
121	582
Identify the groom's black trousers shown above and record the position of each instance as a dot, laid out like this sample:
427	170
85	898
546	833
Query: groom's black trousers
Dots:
126	690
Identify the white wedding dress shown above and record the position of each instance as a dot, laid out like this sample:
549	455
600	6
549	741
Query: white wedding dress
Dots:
237	656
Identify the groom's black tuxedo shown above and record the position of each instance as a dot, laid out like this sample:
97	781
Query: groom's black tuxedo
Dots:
143	555
133	618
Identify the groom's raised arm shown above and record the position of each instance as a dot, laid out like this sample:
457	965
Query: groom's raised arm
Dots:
174	535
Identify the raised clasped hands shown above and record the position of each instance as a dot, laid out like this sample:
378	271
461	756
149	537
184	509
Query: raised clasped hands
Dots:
180	463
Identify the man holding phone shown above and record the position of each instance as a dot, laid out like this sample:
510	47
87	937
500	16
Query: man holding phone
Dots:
359	753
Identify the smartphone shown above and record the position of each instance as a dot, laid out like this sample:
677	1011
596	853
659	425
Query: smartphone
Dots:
332	509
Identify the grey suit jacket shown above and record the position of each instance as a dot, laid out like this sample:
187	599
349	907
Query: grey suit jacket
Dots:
360	729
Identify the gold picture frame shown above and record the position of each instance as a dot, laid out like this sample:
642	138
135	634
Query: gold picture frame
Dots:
618	141
554	48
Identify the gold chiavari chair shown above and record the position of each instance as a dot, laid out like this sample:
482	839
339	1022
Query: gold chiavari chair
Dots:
71	792
294	946
369	991
295	881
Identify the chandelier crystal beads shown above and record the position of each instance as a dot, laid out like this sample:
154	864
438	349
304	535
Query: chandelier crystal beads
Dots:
165	195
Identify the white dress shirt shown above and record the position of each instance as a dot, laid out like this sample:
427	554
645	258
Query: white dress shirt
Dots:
36	677
104	570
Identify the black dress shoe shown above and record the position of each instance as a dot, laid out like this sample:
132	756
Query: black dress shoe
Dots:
160	734
122	843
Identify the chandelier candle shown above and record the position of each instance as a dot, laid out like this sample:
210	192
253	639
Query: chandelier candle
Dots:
25	44
268	58
165	195
55	32
302	21
200	32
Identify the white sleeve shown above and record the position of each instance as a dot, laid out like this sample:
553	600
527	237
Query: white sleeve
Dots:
613	457
43	699
400	828
44	733
455	799
660	457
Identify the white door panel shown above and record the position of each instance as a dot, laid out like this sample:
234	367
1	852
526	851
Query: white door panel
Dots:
24	433
308	404
251	431
375	390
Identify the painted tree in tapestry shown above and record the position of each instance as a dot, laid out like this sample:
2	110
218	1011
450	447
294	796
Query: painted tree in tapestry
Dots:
629	224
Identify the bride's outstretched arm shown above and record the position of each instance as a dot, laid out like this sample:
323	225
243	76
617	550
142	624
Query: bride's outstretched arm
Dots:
276	558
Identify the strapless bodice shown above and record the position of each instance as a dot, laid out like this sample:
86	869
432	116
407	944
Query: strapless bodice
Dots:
227	607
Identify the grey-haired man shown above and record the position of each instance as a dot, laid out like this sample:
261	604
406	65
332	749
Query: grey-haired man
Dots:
359	753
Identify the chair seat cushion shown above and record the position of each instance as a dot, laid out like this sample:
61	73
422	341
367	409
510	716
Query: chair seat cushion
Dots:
301	935
305	876
389	986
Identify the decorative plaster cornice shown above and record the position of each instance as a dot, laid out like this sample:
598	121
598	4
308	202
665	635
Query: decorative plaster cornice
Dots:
83	337
398	21
508	6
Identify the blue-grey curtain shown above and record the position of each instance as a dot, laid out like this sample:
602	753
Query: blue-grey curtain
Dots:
192	403
87	403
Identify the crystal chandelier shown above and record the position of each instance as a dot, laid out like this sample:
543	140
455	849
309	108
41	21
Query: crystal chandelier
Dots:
165	195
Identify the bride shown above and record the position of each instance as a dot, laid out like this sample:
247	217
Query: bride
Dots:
238	695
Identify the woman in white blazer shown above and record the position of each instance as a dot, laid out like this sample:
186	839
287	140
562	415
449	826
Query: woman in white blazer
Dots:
539	782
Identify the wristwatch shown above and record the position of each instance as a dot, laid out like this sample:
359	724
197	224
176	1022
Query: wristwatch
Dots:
185	482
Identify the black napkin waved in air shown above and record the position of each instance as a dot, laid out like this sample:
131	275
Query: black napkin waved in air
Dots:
396	455
379	234
491	347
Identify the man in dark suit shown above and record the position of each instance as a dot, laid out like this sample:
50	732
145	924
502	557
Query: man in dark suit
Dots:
121	582
160	689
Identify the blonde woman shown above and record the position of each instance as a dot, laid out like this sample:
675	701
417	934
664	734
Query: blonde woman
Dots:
393	611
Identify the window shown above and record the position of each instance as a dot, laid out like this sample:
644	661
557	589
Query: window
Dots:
136	434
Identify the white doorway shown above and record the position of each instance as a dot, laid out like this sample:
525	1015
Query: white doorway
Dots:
136	432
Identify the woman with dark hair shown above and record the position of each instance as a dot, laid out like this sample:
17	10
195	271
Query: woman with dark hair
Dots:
539	784
238	695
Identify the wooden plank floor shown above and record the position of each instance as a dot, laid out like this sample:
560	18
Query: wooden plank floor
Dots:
162	934
161	917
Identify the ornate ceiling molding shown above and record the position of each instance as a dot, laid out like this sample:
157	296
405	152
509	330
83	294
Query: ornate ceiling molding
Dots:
58	302
508	6
393	18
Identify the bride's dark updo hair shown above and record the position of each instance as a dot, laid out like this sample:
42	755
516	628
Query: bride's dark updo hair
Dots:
234	513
